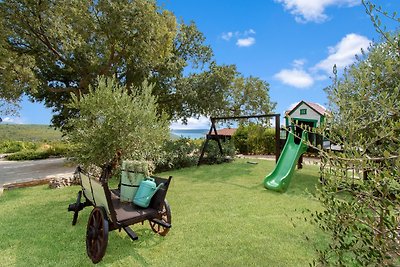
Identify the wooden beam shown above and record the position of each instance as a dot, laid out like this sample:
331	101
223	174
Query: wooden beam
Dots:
245	117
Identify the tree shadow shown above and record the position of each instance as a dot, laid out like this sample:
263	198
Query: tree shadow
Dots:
221	172
304	182
147	240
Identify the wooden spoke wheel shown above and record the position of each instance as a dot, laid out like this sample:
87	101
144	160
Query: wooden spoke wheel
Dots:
97	234
77	204
165	215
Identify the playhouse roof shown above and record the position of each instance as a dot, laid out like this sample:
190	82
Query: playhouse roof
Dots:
315	106
225	131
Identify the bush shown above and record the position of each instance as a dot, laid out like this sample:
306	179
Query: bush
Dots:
32	151
185	152
240	139
59	149
212	154
15	146
179	153
29	155
254	139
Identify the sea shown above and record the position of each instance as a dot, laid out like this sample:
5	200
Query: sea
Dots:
190	133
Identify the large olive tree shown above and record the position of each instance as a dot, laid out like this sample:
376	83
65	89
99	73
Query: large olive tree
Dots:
59	47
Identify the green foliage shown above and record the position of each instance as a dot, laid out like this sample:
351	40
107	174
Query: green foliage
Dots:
15	74
16	146
212	154
185	152
240	139
223	91
28	132
361	192
179	153
112	120
34	150
29	155
51	48
254	139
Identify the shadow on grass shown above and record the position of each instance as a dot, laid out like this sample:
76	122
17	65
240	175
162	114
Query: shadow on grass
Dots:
250	176
219	172
147	240
304	181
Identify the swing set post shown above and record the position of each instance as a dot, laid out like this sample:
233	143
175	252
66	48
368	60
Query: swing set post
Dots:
213	128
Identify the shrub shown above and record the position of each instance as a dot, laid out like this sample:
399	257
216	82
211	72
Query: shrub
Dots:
185	152
59	149
29	155
240	139
212	154
15	146
32	151
254	139
179	153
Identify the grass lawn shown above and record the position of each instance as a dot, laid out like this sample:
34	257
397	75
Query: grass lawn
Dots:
221	216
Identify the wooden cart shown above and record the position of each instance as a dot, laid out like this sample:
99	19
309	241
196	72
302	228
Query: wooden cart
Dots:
109	213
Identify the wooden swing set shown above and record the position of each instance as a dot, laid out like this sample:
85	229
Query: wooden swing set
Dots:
217	136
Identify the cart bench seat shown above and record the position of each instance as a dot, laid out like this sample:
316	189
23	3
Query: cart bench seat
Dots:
128	213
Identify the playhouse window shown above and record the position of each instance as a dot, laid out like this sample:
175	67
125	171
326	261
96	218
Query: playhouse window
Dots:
303	111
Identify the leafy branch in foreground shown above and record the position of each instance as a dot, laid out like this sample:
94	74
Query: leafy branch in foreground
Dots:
361	184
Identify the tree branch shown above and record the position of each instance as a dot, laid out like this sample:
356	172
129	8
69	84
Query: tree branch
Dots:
63	90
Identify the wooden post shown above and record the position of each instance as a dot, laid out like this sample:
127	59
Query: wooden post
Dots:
277	137
217	136
203	149
300	163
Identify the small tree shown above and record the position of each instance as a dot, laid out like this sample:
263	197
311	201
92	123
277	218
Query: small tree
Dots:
114	124
361	191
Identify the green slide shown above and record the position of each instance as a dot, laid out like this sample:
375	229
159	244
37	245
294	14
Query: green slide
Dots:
279	179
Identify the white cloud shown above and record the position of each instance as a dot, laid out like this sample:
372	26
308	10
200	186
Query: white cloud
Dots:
249	31
295	77
343	53
313	10
243	39
13	120
227	36
299	63
245	42
192	123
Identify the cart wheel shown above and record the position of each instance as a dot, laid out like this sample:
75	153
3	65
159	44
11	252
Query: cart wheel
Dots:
77	204
166	217
97	234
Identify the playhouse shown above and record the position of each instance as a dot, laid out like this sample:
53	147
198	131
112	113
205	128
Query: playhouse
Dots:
306	113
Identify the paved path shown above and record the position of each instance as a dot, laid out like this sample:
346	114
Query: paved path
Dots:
21	171
306	160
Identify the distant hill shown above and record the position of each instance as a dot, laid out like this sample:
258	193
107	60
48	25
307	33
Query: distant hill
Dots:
28	132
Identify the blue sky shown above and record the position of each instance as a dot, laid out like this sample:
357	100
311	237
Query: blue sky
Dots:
291	44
